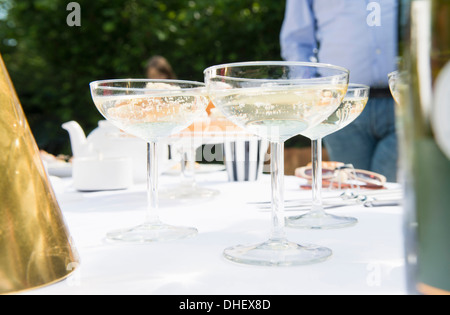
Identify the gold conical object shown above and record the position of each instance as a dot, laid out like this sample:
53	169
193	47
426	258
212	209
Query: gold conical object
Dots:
35	247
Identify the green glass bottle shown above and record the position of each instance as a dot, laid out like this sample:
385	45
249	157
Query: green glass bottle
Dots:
425	50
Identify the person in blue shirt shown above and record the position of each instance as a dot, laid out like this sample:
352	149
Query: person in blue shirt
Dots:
360	35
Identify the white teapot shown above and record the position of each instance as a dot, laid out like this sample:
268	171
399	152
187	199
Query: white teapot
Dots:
107	141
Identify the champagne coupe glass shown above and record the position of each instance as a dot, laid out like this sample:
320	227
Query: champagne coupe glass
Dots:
185	145
152	110
276	101
398	84
394	82
352	106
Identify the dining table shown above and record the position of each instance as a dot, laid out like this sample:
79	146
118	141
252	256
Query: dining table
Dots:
367	259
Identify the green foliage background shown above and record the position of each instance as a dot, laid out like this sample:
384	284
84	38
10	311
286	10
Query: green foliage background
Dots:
51	64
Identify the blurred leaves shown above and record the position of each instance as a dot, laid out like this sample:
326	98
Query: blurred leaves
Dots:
51	64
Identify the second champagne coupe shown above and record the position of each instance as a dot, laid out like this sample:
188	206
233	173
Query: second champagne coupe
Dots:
352	106
276	101
151	110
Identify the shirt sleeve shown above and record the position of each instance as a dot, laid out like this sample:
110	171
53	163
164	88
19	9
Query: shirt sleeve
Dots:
297	37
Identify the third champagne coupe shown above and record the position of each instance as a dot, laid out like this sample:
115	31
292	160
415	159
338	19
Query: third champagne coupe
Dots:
184	146
276	101
352	106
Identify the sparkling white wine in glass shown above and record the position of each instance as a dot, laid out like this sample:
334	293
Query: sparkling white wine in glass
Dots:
347	112
150	117
278	113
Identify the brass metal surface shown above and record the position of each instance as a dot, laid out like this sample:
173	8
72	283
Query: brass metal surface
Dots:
35	246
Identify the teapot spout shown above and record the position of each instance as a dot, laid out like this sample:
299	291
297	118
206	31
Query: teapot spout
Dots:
78	139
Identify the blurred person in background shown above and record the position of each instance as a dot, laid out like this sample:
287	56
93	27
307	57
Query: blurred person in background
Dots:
359	35
159	68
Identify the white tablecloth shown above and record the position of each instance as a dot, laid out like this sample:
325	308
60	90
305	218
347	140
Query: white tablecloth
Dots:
367	258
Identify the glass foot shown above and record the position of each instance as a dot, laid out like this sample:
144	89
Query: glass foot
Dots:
147	233
277	253
320	221
188	192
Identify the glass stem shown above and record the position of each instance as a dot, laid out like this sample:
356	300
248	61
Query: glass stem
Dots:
316	146
277	178
152	184
189	168
183	163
